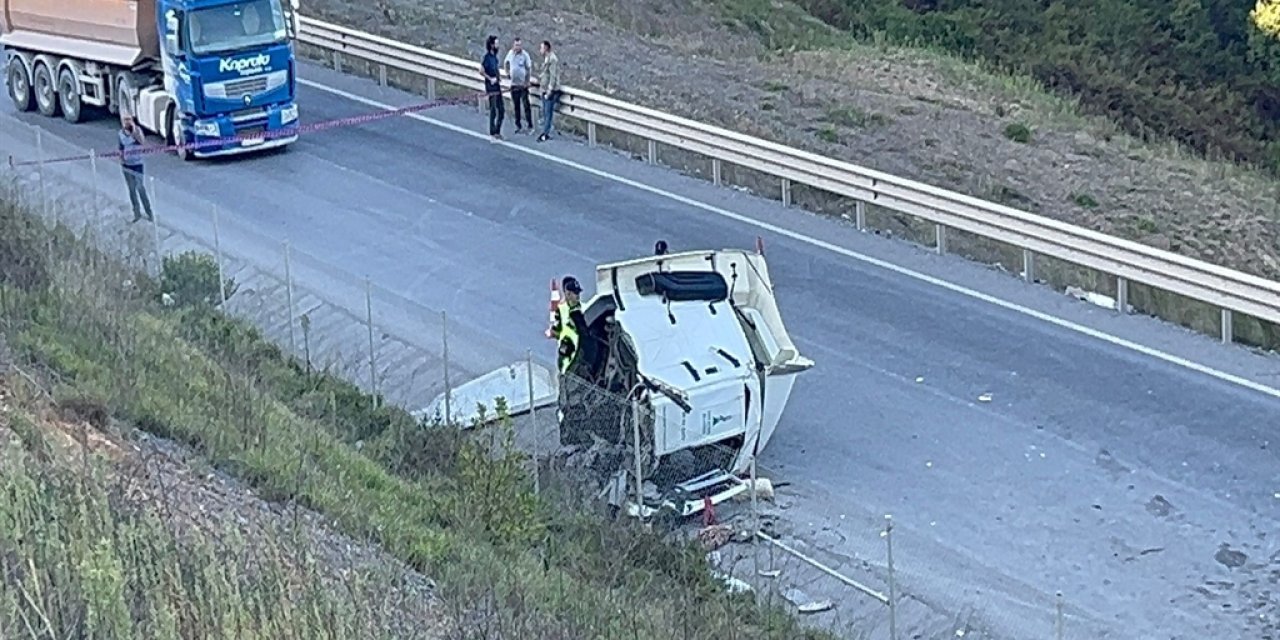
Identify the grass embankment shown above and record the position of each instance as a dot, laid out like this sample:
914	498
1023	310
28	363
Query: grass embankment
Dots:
81	559
508	562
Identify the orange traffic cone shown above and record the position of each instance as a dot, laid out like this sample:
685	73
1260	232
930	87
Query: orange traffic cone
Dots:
555	301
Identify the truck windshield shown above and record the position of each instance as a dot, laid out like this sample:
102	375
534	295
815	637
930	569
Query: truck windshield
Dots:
234	26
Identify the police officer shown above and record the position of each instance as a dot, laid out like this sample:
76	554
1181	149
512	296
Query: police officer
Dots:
570	324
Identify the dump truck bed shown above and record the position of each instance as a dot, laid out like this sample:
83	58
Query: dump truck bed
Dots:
117	32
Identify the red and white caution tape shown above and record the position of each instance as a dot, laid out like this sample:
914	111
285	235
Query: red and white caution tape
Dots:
286	132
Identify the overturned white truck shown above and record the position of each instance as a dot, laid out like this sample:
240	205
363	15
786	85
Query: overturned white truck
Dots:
692	344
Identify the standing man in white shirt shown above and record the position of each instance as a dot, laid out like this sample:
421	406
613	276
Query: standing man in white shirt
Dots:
519	65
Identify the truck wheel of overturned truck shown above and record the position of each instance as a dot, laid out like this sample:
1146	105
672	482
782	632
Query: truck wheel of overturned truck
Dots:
20	85
69	96
45	92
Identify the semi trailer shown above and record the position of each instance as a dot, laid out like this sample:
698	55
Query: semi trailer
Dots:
211	77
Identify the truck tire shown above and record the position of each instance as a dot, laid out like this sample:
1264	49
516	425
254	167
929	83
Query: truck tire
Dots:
45	89
20	85
174	125
69	96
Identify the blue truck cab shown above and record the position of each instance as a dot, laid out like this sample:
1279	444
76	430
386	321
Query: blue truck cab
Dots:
229	76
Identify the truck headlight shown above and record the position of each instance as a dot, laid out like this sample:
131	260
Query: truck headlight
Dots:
289	114
207	128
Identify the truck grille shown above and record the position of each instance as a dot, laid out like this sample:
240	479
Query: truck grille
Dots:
247	86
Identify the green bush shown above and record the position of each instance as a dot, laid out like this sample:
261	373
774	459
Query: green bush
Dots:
192	279
1018	132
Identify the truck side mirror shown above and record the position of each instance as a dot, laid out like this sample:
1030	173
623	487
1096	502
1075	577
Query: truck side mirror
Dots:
291	19
171	30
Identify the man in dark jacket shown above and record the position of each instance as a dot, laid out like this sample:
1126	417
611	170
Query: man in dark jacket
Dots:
490	68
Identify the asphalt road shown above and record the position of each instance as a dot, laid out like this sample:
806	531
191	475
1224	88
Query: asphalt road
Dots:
1125	481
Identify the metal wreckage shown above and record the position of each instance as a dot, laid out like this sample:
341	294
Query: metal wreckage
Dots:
686	354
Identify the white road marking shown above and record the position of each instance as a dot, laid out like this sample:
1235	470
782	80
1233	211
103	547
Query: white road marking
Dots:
950	286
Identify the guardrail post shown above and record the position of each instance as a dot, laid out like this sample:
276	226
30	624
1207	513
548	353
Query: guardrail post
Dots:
653	152
1228	330
786	192
431	88
860	215
716	177
591	134
337	61
1122	295
940	239
382	75
1028	265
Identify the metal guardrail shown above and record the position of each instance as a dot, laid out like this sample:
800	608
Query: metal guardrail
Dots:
1228	289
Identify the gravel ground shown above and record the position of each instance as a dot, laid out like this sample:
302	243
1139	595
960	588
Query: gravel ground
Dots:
909	113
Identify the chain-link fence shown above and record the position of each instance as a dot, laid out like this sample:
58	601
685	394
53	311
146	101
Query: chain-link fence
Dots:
591	436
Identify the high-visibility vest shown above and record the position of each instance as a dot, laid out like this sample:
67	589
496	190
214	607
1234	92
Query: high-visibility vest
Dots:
565	329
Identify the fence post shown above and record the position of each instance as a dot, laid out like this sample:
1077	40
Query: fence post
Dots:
716	172
288	285
217	252
893	588
786	192
653	152
860	215
97	188
448	390
635	430
155	230
755	519
1057	622
373	363
1228	329
44	198
940	239
591	134
1028	265
1122	295
533	419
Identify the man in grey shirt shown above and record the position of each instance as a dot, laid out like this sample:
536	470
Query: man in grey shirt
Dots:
519	65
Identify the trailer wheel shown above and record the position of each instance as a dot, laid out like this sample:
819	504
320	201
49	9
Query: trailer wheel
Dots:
20	85
69	96
45	91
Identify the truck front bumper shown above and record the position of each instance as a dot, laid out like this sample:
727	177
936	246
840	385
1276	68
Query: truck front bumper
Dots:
267	128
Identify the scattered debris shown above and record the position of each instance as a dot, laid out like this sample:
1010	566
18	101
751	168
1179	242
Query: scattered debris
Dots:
986	397
1230	558
764	490
1159	507
769	573
816	607
715	536
919	378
